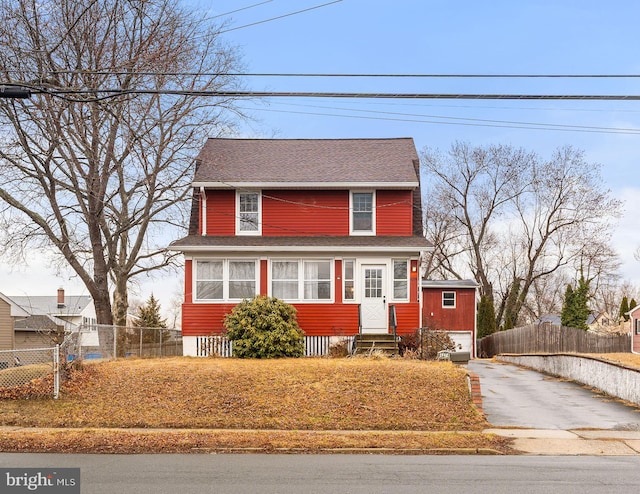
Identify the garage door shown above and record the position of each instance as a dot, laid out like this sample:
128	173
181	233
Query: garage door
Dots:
463	341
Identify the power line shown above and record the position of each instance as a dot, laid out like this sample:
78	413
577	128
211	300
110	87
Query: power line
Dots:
352	95
279	17
239	10
349	75
482	120
466	124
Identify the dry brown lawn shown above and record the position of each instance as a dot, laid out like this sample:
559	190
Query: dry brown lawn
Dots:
272	405
628	359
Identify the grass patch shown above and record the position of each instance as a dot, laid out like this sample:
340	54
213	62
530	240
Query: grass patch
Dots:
628	359
226	404
15	376
135	441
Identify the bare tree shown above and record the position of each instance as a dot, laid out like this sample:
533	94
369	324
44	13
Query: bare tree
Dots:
98	162
472	187
524	219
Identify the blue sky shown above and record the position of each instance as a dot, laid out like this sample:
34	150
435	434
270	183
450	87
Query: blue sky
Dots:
455	37
442	37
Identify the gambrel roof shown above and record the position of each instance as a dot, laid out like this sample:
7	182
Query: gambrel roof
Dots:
329	163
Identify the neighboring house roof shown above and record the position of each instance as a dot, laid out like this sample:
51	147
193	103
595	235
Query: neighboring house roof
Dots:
550	318
635	309
449	284
264	163
48	305
37	322
321	243
16	310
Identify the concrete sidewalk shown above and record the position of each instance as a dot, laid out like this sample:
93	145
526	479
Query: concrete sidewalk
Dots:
572	443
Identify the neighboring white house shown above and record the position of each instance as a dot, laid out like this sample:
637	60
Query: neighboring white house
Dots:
33	316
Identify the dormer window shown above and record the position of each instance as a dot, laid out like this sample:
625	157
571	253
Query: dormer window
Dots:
249	211
362	213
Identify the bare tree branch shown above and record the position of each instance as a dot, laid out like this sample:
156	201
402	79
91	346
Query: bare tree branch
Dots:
105	182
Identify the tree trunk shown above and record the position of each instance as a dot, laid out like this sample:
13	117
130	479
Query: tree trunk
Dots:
120	308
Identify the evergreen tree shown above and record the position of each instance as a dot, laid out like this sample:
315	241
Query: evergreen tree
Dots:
510	312
632	304
624	308
575	310
486	317
149	317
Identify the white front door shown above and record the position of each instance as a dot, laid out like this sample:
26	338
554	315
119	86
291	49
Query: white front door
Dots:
373	307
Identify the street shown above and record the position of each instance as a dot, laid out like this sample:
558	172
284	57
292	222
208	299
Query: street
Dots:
366	474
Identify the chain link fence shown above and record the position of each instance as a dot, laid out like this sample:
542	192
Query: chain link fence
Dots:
87	342
20	367
93	342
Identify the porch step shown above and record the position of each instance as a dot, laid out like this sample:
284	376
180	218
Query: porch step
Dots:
366	343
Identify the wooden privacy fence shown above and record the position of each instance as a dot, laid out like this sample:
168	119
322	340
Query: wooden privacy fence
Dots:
551	338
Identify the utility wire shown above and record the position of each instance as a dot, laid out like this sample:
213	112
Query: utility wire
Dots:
112	92
483	120
350	75
279	17
466	124
239	10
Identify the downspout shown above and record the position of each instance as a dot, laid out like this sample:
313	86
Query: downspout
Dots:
203	220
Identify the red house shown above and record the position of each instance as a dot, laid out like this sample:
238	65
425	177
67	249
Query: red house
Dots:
332	226
635	329
451	306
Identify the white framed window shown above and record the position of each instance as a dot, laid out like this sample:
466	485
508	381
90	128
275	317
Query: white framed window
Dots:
225	279
249	213
284	280
209	280
348	279
401	279
317	280
302	279
242	279
637	326
448	300
362	219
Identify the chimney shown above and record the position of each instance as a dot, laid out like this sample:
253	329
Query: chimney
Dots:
60	298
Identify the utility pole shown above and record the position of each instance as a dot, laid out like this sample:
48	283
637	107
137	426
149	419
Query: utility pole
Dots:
7	91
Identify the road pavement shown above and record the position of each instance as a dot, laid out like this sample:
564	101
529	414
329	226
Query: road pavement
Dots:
345	474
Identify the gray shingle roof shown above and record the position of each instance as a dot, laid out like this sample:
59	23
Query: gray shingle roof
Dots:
449	284
255	243
46	305
297	161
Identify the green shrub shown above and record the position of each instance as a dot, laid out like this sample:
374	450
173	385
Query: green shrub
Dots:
264	327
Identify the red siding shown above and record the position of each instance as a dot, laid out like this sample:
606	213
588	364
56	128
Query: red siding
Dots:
305	212
337	280
221	212
264	280
204	319
188	282
460	318
408	318
394	212
331	320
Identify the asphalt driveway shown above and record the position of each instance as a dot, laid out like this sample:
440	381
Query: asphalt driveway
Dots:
517	397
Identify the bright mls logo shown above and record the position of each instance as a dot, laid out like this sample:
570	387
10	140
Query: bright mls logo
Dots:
47	480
